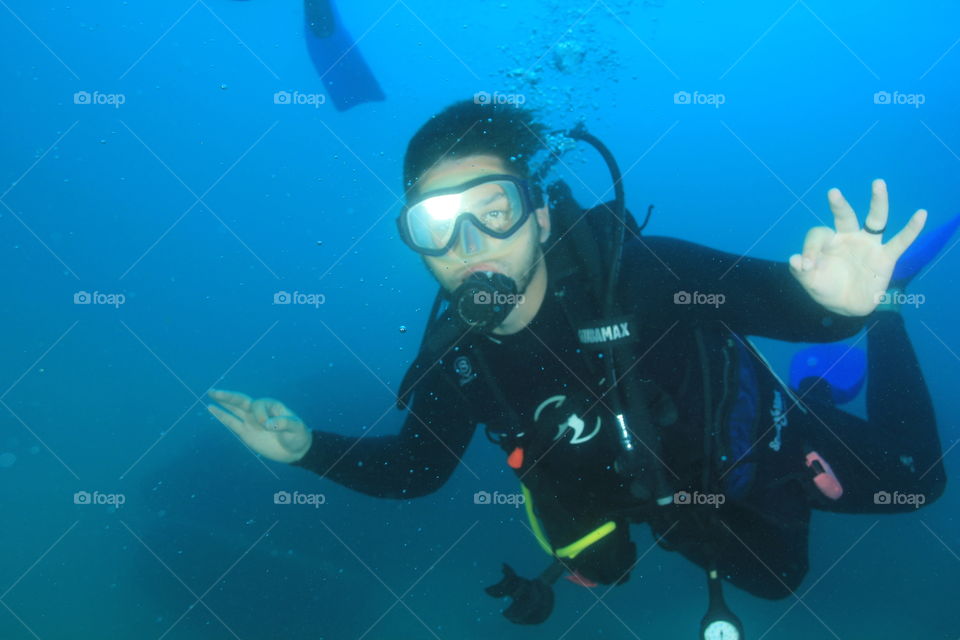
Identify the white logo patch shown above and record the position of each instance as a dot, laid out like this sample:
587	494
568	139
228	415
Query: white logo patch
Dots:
779	419
464	369
573	422
607	333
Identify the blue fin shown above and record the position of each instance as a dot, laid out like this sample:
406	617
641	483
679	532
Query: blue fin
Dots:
922	251
845	368
337	59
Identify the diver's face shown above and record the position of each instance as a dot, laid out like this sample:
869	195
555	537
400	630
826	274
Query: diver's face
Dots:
519	256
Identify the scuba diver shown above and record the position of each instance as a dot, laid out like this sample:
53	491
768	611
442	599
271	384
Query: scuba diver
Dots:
613	371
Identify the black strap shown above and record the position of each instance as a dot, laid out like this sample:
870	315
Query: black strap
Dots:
441	333
511	429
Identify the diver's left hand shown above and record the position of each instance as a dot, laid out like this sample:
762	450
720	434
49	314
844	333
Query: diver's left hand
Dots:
848	269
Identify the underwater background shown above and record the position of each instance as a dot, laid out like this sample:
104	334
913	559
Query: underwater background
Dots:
157	195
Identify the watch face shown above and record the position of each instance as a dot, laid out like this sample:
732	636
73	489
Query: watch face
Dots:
721	630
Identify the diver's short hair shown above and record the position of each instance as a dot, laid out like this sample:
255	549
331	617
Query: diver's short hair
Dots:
469	128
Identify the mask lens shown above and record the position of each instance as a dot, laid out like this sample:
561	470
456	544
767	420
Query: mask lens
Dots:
497	208
430	222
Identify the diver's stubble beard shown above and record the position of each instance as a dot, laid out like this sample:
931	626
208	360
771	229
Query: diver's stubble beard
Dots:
522	275
529	268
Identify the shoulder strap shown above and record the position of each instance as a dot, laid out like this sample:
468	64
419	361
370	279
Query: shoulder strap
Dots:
442	333
582	240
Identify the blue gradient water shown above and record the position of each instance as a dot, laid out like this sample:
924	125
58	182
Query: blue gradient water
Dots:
198	198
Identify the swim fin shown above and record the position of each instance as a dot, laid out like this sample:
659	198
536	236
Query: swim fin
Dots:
335	55
843	367
922	252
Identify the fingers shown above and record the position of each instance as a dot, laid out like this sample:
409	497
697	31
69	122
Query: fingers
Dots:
266	412
796	264
231	421
844	219
283	423
900	242
277	408
259	410
266	408
813	245
231	399
879	206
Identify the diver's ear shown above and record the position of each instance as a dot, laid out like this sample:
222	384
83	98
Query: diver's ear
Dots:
543	221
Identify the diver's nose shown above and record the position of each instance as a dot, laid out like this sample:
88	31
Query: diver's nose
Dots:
471	238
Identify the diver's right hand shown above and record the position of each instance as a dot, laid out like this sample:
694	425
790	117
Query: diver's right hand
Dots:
265	425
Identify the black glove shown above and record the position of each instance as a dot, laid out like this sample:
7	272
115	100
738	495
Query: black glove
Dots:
532	599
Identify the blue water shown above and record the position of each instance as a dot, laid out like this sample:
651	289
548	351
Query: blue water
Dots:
198	198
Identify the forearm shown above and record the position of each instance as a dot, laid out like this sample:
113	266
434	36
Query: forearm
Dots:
393	466
767	300
749	295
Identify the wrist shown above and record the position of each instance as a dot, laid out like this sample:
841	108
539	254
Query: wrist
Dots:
306	449
889	300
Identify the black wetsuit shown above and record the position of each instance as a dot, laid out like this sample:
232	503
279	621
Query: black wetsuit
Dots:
692	306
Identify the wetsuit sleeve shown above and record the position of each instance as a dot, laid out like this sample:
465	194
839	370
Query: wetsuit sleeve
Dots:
896	452
752	296
416	461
